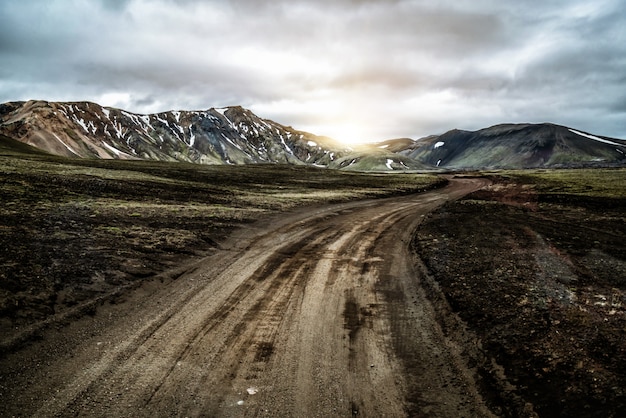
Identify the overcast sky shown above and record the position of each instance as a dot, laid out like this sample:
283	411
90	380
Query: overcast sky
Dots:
351	69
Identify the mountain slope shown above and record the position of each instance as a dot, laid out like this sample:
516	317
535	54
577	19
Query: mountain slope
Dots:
376	158
231	135
234	135
516	146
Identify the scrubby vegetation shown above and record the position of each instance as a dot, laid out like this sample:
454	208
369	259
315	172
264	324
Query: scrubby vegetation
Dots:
73	230
536	266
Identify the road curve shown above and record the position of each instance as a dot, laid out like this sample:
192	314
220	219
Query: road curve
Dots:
318	313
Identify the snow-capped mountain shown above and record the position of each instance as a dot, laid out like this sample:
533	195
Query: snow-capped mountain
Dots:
234	135
231	135
513	146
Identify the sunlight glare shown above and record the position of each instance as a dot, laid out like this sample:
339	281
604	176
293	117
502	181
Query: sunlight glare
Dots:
349	133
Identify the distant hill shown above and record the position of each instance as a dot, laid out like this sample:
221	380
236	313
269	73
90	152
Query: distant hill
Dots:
514	146
234	135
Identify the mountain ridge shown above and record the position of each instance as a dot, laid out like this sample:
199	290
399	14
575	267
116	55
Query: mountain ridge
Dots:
521	145
235	135
230	135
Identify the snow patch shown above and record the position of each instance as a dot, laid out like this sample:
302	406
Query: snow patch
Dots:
145	119
119	131
438	162
286	146
192	137
595	138
310	143
81	122
384	146
106	112
66	146
388	164
163	121
113	149
439	144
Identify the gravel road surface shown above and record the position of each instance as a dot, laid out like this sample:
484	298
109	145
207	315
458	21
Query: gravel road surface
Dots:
315	313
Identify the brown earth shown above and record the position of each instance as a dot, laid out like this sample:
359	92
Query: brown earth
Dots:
76	233
509	302
318	312
540	279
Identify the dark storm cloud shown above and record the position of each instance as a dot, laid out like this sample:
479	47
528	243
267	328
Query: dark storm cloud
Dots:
420	67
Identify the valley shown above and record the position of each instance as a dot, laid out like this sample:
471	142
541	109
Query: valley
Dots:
150	288
317	311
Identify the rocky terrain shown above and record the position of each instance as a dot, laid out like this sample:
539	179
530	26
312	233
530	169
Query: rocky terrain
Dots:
75	231
535	266
513	299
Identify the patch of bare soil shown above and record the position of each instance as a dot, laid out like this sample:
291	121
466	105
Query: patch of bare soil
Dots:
77	233
61	251
541	280
318	313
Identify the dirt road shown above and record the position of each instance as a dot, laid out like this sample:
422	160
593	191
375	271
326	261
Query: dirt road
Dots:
316	313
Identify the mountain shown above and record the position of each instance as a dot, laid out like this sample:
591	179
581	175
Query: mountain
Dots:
513	146
231	135
234	135
377	158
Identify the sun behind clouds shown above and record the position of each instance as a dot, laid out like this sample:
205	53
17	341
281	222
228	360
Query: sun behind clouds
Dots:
349	133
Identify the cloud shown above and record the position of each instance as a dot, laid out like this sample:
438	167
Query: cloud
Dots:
376	68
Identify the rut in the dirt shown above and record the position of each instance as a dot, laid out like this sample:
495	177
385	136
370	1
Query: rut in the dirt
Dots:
319	314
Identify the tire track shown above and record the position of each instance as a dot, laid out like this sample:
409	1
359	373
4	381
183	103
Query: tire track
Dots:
317	314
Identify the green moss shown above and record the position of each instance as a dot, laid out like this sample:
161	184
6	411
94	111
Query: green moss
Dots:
596	182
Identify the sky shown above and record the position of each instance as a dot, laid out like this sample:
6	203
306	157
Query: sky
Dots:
355	70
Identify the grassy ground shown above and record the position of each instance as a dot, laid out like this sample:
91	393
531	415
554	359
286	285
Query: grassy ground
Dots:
74	230
536	266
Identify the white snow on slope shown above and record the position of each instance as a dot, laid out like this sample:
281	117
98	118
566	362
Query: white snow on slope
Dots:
192	137
388	164
286	146
595	138
310	143
439	144
66	146
114	150
81	122
146	123
232	143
